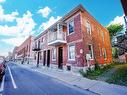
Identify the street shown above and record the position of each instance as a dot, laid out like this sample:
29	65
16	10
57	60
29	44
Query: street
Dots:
20	81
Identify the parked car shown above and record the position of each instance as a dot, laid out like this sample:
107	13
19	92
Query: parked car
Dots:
2	68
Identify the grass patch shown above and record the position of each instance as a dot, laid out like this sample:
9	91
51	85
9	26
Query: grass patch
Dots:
98	71
120	76
94	74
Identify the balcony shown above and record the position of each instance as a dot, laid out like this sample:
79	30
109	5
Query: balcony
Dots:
36	48
56	38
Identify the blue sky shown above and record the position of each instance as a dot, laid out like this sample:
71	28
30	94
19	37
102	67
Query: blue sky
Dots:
21	18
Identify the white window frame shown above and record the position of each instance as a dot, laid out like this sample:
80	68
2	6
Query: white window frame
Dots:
98	31
105	53
72	20
92	51
102	34
69	52
54	59
90	32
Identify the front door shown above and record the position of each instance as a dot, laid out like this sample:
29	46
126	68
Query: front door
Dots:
44	58
60	57
48	58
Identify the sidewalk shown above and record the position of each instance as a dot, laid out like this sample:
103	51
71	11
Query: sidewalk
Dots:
98	87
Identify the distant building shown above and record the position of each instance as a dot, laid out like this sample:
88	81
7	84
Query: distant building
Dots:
24	51
14	53
2	58
9	57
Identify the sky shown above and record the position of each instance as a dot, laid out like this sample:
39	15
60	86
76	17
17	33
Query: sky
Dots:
21	18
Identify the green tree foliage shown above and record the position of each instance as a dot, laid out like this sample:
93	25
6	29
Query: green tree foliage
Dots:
114	29
114	52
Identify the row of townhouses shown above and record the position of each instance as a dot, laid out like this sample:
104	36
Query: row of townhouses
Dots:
76	40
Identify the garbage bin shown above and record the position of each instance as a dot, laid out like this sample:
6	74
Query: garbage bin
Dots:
68	67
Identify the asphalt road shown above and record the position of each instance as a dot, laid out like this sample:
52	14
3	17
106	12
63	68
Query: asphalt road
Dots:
20	81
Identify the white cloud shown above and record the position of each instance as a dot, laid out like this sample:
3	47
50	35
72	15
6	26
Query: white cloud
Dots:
3	53
50	22
2	1
15	41
118	20
20	32
45	11
7	17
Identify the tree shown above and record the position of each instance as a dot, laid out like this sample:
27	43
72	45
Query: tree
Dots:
114	52
114	29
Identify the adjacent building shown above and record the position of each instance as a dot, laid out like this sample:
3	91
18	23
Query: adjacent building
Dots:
14	53
122	39
76	40
24	51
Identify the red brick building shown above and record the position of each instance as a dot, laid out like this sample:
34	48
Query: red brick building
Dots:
77	40
24	51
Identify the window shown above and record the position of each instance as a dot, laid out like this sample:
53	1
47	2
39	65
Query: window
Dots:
54	53
100	50
90	47
39	44
35	56
102	36
98	30
104	54
71	27
88	27
40	56
35	44
42	39
71	52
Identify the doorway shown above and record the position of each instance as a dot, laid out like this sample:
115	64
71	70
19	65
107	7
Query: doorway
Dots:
44	58
60	57
48	58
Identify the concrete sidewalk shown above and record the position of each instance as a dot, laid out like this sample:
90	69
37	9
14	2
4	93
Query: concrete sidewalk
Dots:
98	87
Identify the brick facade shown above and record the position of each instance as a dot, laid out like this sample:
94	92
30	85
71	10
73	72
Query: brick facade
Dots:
24	51
87	40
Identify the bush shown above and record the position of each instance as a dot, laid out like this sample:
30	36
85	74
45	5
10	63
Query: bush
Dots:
97	67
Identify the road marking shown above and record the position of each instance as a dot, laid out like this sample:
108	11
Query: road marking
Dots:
12	79
2	84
